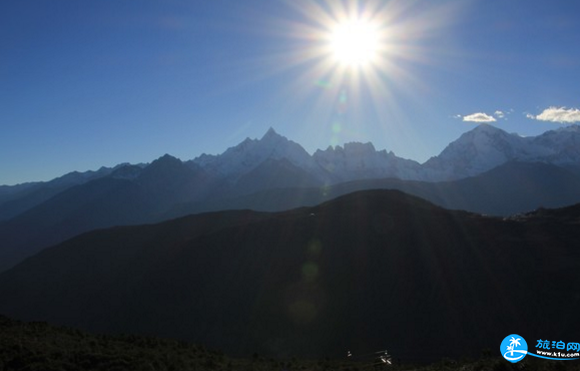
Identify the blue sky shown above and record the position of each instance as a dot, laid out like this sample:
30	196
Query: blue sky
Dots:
86	84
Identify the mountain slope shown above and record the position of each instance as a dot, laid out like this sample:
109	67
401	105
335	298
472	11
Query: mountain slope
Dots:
560	147
475	152
357	161
249	154
273	174
15	200
370	270
511	188
35	218
486	147
333	165
104	202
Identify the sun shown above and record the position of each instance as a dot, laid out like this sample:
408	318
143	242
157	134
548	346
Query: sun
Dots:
356	64
354	42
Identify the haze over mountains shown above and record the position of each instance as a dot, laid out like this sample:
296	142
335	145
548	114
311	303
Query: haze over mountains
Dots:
369	270
288	253
486	170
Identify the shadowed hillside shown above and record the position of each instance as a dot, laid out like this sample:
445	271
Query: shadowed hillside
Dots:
167	189
370	270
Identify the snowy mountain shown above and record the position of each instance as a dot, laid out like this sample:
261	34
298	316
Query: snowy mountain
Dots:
487	147
338	164
559	147
475	152
258	173
250	153
361	161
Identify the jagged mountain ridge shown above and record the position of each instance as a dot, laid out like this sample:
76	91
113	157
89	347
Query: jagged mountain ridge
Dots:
250	153
362	161
248	174
475	152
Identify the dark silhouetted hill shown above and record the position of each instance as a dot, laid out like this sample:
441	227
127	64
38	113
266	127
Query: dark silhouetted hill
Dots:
369	270
168	188
492	172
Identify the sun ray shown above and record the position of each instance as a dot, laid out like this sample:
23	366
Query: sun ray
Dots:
368	50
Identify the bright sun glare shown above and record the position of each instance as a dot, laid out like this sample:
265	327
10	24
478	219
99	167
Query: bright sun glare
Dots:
354	42
357	57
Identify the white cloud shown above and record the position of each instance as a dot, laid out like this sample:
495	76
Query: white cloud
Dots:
562	115
479	117
499	114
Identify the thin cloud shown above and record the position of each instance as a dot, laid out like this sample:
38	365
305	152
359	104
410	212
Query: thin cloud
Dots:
479	117
499	114
561	115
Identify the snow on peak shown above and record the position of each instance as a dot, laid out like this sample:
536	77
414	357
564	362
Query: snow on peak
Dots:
361	160
252	152
560	146
486	147
480	149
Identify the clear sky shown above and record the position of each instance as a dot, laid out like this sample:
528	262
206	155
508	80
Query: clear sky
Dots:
90	83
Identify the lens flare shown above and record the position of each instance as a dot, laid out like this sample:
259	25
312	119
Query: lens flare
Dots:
354	62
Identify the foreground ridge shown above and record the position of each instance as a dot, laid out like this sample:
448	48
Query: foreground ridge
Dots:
379	266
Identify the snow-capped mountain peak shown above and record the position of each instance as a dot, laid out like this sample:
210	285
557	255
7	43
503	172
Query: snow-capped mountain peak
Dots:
361	160
250	153
476	151
561	146
486	147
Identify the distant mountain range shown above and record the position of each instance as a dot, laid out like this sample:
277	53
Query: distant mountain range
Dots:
366	271
475	152
486	170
